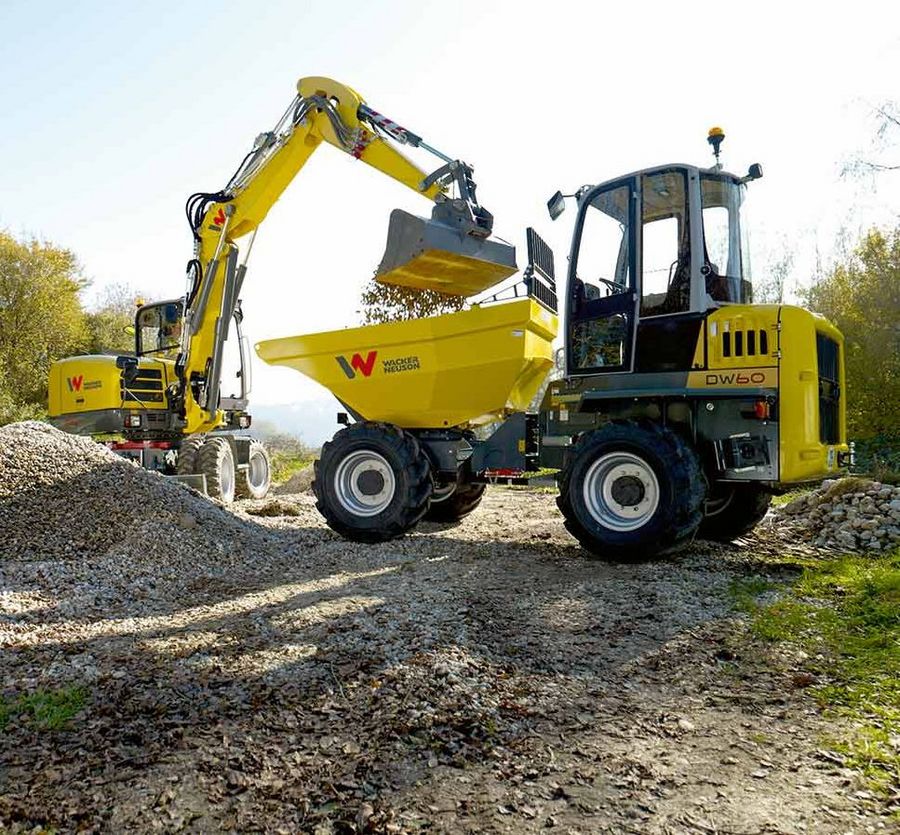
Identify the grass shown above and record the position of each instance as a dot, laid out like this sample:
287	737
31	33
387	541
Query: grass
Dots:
845	614
286	463
44	710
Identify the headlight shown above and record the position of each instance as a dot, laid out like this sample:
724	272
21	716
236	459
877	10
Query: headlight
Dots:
133	421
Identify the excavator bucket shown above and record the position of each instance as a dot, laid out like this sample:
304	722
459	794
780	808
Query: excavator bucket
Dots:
430	255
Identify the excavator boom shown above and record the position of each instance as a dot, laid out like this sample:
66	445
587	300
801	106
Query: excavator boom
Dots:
450	252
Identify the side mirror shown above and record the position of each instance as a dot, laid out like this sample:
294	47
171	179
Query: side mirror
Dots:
556	205
754	172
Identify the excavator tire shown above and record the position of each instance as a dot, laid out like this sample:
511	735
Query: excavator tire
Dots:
255	481
733	510
372	482
187	455
632	491
459	504
216	462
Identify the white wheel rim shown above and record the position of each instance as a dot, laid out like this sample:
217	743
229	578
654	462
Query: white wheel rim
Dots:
258	471
442	493
226	476
364	483
621	491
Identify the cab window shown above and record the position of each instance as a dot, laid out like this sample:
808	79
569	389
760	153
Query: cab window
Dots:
159	329
665	245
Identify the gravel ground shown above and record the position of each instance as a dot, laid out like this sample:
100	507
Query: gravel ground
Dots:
249	672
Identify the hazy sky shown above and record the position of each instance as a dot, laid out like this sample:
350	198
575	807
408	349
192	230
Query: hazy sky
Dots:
113	113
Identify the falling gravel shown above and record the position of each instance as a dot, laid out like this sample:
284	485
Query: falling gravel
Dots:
246	672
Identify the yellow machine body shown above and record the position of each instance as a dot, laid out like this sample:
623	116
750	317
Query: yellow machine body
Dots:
458	369
790	365
88	394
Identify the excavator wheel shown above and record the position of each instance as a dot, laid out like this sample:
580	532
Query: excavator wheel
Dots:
631	491
733	510
187	455
457	505
255	481
216	462
372	482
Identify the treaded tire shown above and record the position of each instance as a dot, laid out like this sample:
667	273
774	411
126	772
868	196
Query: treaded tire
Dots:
214	461
739	511
681	491
457	505
243	488
187	455
409	468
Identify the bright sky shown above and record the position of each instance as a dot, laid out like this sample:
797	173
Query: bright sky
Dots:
113	113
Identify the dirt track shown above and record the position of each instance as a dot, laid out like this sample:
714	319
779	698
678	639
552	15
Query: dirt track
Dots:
485	677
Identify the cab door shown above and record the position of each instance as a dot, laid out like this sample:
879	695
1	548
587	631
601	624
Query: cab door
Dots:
602	300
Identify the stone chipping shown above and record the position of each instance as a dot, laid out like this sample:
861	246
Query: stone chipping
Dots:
842	515
249	672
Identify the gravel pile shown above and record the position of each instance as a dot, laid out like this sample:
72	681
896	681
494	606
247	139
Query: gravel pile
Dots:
850	514
63	496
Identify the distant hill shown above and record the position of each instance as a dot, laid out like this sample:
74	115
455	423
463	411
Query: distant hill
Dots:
312	421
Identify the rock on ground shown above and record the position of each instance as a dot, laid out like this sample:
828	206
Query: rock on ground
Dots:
259	673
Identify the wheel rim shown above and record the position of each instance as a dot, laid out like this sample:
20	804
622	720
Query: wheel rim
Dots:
226	476
258	471
443	492
364	483
621	491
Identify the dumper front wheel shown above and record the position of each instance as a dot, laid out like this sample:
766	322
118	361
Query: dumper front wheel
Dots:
372	482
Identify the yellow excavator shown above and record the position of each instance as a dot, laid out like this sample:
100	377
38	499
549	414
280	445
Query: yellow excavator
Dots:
165	401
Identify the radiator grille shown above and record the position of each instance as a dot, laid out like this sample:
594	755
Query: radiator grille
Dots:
146	387
745	343
828	356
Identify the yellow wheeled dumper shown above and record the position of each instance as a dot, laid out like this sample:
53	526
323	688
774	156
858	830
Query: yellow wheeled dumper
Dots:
683	408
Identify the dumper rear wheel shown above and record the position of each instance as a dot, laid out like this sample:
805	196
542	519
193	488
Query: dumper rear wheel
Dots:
631	491
460	503
733	510
372	482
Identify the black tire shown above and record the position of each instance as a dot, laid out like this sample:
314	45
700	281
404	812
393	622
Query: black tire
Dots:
255	481
666	514
187	455
216	462
372	482
733	510
459	504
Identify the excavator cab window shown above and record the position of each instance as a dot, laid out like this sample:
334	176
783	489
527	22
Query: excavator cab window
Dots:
158	329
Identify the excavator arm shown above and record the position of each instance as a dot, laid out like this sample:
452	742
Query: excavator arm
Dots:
419	252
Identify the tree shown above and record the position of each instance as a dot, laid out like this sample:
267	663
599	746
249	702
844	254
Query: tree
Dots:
41	319
391	303
110	320
861	296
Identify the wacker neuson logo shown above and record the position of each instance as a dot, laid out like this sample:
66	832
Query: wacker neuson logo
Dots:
366	366
357	363
76	384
